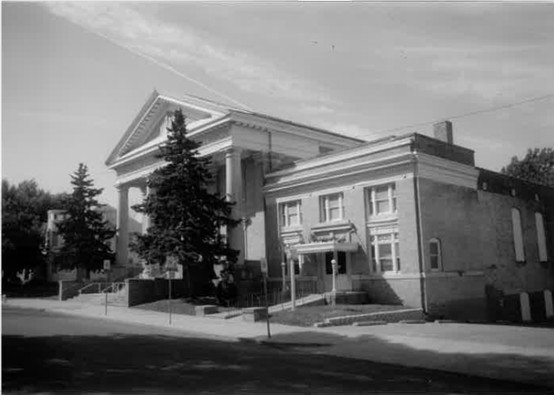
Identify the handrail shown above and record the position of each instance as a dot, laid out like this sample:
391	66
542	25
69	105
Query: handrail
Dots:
114	287
275	297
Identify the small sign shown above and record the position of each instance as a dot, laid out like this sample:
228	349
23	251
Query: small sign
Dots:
107	264
263	265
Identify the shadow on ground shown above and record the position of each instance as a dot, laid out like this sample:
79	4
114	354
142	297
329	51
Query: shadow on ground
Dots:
531	369
156	364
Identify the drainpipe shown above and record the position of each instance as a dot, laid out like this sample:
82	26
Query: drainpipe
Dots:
419	231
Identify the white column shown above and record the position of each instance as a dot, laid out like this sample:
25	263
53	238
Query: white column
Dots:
122	246
233	190
525	307
292	283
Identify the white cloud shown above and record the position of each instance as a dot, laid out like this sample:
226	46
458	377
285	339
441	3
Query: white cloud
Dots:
182	47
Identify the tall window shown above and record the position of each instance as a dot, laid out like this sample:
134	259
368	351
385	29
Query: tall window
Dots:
331	207
341	262
541	237
385	252
291	213
518	235
381	200
435	254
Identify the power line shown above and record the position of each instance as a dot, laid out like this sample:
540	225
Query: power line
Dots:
533	99
165	66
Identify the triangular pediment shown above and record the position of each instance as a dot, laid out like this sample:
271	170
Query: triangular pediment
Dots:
150	125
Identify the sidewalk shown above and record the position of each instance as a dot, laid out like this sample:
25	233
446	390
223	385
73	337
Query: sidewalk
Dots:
501	352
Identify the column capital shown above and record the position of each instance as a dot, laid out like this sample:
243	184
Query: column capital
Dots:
232	151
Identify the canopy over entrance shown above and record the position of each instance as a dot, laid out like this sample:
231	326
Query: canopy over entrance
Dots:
324	246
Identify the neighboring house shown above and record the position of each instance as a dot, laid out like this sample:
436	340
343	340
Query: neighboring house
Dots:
54	241
407	219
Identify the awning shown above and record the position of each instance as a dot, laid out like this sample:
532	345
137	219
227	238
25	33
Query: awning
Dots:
324	246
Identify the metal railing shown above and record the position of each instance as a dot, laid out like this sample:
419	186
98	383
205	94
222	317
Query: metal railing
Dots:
277	296
114	288
102	287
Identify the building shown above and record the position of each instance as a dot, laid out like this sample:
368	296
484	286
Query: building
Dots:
408	219
54	241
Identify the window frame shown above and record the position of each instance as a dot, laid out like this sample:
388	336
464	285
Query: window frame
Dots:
371	200
517	232
438	255
325	209
541	237
285	217
394	243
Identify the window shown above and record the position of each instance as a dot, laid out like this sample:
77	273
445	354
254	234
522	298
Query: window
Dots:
291	213
435	254
385	252
331	207
541	237
341	262
518	235
381	200
296	265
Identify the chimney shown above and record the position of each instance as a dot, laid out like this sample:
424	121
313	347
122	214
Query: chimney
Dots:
443	131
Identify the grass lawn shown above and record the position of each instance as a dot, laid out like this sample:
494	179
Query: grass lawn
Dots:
309	315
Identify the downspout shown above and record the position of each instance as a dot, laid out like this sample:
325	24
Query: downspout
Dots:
419	231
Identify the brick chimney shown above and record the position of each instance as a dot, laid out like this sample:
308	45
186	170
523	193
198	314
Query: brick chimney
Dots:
443	132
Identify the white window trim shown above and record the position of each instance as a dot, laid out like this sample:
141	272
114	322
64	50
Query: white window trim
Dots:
325	209
382	231
372	204
517	231
541	237
439	254
283	212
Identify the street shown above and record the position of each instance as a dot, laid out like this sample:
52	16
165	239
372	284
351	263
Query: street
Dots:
43	351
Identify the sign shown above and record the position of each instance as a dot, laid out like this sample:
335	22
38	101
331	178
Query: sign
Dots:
263	265
107	264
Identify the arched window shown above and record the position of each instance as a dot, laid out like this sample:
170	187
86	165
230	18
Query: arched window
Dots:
541	237
518	235
435	254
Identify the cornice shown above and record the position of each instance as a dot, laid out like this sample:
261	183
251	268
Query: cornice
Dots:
339	172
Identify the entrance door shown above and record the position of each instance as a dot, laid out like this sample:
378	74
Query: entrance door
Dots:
344	282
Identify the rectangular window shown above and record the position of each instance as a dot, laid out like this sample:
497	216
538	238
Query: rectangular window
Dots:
541	237
435	254
518	235
331	207
381	200
385	251
341	262
291	214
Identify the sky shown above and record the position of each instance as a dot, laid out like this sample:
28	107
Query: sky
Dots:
75	74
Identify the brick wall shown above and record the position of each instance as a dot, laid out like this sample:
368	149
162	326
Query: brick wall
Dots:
399	291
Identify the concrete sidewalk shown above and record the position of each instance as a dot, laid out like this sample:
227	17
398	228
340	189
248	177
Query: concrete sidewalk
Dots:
501	352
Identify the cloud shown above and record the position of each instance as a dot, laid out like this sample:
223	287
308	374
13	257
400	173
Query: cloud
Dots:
181	47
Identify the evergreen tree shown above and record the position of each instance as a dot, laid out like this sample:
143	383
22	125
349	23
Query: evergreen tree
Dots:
537	166
185	219
84	231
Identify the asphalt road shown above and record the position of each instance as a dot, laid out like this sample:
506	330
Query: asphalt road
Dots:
46	352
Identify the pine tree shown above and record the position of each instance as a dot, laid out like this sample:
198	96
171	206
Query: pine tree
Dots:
84	231
185	219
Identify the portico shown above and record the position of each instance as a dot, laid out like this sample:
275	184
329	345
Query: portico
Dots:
242	146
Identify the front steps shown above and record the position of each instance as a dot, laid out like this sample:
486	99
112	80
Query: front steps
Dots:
114	299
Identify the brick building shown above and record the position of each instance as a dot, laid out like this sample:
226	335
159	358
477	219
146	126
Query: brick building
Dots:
408	219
